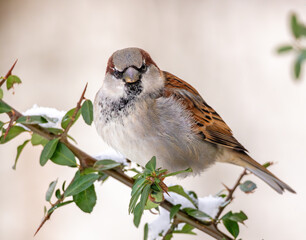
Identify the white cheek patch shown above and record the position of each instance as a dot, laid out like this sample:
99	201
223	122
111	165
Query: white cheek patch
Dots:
113	88
152	80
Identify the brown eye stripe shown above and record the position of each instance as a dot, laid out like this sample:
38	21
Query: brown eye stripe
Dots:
207	122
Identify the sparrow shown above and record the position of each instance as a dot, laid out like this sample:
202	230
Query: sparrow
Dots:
142	111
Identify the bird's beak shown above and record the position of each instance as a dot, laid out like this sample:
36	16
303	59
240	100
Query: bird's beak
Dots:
131	75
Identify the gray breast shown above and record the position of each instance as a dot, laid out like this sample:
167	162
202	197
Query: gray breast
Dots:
160	128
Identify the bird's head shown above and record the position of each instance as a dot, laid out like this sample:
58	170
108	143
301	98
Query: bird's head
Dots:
131	72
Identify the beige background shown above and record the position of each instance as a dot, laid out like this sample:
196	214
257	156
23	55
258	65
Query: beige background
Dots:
226	49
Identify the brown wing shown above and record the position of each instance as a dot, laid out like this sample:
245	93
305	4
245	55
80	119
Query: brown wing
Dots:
207	123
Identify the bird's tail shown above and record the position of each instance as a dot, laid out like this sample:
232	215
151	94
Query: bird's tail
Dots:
244	160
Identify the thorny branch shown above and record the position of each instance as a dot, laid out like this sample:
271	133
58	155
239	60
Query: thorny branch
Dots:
8	74
231	191
48	215
78	107
87	161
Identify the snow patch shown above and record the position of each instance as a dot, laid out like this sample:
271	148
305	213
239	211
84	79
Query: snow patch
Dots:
209	205
160	225
112	155
53	115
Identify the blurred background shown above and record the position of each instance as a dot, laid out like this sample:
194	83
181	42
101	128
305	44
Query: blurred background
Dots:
225	49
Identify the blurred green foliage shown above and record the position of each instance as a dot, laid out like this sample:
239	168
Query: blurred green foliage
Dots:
298	30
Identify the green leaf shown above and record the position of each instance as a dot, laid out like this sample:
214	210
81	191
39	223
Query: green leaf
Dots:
297	69
267	164
178	172
1	125
58	194
37	140
87	111
302	30
4	107
174	210
284	49
295	28
180	190
138	184
45	210
19	150
68	117
141	205
155	199
81	183
86	200
232	227
105	164
169	236
1	93
31	119
151	165
238	217
298	29
248	186
72	139
48	151
13	132
187	229
230	221
136	191
88	170
145	231
298	64
137	215
63	186
102	177
58	205
11	80
50	190
133	201
55	131
196	213
63	156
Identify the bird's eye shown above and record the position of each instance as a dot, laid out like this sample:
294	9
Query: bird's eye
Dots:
117	74
143	68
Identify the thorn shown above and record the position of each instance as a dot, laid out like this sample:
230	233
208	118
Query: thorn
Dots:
226	187
10	71
164	187
82	97
42	223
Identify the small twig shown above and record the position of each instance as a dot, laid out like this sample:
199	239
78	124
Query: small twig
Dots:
78	107
12	119
8	74
172	227
230	193
48	215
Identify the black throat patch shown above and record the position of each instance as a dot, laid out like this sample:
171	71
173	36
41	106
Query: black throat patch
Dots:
133	89
116	109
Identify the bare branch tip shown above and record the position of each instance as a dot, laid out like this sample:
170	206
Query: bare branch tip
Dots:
42	223
11	69
84	90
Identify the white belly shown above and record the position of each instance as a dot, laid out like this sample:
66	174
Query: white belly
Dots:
160	129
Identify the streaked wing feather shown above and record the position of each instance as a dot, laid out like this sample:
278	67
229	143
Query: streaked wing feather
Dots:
207	123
